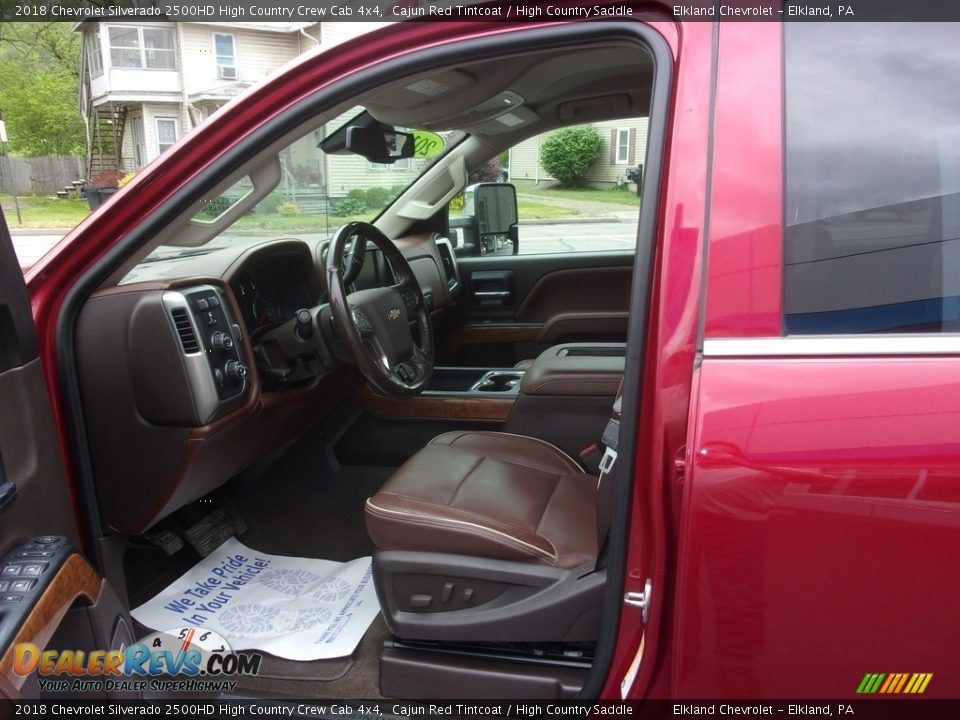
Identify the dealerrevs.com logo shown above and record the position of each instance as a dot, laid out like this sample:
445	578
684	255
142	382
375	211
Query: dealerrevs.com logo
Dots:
180	660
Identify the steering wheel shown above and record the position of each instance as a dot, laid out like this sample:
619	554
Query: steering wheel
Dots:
374	324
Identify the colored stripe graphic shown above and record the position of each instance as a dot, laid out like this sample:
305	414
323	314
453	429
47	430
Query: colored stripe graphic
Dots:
894	683
901	680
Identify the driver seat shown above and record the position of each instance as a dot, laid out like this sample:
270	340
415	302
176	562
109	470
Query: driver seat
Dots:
488	537
491	495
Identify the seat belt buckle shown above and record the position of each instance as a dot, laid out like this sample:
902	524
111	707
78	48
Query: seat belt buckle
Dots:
590	457
608	460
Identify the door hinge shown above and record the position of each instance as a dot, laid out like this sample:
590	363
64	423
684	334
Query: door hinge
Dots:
640	599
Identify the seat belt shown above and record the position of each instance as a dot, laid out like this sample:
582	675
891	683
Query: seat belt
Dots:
610	442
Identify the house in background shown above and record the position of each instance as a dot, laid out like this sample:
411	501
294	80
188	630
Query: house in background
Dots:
146	84
624	148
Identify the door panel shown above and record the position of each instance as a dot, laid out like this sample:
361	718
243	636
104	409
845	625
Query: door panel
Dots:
43	572
29	451
822	511
518	305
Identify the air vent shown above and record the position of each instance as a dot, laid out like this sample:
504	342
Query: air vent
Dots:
188	338
449	263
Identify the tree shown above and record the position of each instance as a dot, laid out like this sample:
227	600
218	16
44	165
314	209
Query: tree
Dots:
39	82
490	171
568	154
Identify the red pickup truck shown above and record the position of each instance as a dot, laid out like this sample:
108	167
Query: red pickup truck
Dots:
705	446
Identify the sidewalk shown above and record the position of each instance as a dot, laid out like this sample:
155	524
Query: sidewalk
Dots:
31	244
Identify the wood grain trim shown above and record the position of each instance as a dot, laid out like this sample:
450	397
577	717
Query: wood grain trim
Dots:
74	579
448	408
470	334
583	323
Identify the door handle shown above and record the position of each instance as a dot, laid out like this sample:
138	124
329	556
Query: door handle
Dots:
501	294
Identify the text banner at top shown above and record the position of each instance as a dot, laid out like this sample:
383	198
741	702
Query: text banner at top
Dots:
310	11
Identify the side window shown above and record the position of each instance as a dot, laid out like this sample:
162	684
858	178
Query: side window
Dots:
872	227
576	191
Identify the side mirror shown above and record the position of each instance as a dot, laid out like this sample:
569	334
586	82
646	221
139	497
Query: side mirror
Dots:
490	219
380	145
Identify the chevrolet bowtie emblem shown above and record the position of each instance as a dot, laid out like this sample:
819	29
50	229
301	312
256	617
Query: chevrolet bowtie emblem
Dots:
393	313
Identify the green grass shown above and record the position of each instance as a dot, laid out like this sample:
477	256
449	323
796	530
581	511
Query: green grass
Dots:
530	210
52	212
614	197
40	211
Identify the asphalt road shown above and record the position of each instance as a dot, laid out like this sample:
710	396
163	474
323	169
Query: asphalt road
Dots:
534	239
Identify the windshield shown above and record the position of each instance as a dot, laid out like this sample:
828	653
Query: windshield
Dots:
318	192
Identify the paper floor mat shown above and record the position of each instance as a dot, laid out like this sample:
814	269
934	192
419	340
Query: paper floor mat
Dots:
295	608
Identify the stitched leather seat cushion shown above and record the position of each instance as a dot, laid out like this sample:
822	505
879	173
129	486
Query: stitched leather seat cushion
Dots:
488	494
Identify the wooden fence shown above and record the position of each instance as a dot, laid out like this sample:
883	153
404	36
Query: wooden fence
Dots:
39	175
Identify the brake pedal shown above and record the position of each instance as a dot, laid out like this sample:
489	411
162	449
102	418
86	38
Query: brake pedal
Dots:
169	542
209	533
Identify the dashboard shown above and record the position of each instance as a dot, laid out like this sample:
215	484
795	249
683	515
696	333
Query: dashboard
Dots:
271	288
195	367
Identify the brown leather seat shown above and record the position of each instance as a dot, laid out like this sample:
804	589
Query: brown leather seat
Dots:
489	494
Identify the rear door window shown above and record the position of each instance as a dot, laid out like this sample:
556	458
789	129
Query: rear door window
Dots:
872	238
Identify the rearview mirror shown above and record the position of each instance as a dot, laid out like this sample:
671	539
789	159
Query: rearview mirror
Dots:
490	219
380	145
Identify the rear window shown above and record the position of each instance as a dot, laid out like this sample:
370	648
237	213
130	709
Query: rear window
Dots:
872	178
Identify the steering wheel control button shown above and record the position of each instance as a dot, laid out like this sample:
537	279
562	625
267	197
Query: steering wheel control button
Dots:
409	298
11	598
4	585
47	540
361	321
21	585
11	570
405	373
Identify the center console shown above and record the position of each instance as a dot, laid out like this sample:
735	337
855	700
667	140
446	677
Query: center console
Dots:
567	394
564	396
479	382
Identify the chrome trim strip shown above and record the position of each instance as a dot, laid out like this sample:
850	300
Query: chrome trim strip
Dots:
832	346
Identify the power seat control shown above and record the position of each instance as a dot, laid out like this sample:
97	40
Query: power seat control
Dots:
25	572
